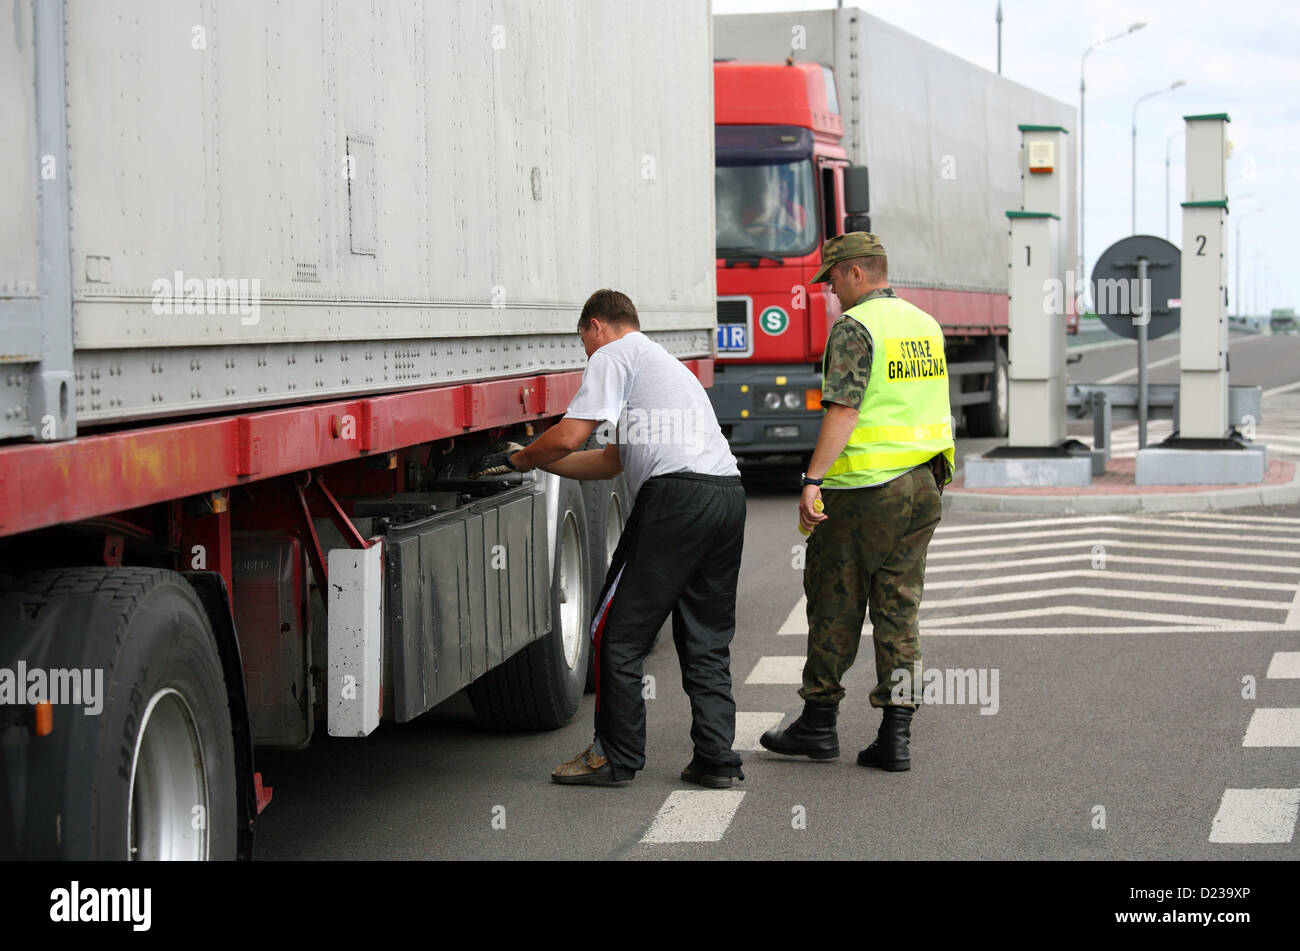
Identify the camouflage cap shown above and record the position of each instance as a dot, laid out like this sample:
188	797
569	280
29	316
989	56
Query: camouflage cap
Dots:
855	244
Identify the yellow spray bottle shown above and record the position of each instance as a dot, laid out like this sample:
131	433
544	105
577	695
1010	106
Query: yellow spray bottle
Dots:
817	507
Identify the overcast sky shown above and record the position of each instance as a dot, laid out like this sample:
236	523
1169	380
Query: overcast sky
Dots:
1242	58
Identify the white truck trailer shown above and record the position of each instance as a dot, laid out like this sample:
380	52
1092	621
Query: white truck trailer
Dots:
940	139
271	276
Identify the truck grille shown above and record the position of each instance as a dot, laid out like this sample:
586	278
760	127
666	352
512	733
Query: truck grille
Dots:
731	311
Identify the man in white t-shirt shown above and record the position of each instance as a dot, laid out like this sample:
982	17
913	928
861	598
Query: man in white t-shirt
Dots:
680	550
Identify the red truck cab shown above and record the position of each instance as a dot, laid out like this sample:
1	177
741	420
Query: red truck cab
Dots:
780	192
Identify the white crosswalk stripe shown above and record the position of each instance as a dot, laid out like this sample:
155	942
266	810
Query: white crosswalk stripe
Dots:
1114	575
777	670
1220	573
689	816
1284	665
1256	816
750	726
1273	727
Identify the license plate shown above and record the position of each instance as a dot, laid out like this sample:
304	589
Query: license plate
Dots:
732	338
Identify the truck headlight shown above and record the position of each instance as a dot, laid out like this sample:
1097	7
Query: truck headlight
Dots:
771	400
792	401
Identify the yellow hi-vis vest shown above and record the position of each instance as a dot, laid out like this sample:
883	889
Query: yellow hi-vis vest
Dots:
905	419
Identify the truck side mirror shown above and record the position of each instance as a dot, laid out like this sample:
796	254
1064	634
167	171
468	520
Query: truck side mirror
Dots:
857	223
855	190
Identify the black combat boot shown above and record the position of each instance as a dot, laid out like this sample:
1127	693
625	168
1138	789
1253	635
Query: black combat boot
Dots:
812	735
890	751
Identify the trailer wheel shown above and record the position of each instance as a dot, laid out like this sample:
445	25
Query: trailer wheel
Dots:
153	776
992	419
608	506
539	688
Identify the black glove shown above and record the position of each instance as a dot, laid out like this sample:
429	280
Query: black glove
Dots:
495	463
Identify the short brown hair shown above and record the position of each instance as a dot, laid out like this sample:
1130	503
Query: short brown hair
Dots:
875	267
612	307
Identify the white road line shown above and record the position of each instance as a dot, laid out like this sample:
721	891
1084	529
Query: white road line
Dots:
1285	665
1256	815
1061	533
1137	629
1207	520
689	816
750	726
1217	525
1119	520
1096	573
1116	377
1273	726
1226	517
777	670
1185	620
1284	388
1086	558
1128	594
1292	622
1107	540
1074	520
796	622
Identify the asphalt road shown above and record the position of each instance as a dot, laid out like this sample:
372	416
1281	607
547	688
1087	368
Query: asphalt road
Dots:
1146	706
1116	688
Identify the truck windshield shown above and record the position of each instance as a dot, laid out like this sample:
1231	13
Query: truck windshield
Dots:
770	208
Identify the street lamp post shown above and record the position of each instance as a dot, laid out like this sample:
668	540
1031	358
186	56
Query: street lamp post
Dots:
1083	62
999	19
1150	95
1168	142
1237	292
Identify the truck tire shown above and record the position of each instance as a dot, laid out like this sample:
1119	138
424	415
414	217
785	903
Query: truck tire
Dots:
153	776
992	419
540	687
608	505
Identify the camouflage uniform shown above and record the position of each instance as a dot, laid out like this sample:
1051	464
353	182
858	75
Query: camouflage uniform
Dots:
869	554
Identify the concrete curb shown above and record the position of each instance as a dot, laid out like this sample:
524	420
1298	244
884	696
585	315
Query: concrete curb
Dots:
1078	504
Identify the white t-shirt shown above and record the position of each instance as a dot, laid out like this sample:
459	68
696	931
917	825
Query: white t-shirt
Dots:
654	408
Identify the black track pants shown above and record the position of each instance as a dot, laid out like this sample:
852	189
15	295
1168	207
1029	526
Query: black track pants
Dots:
679	554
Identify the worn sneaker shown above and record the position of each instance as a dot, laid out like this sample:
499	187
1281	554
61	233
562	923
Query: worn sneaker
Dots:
586	769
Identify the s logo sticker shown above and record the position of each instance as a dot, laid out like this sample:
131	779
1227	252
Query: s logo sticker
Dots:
773	321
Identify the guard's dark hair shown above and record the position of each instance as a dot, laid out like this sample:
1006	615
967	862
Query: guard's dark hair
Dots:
874	266
611	307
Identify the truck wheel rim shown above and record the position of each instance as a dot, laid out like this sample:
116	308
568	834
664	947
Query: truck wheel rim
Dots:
168	801
613	527
572	594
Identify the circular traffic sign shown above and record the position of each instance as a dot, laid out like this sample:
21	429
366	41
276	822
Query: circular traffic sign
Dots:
1119	296
773	321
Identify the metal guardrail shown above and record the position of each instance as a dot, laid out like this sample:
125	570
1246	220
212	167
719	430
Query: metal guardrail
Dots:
1104	402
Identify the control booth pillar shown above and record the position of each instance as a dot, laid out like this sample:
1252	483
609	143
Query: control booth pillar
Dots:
1205	449
1203	348
1038	452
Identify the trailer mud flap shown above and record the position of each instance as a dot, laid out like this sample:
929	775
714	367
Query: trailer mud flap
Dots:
465	590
